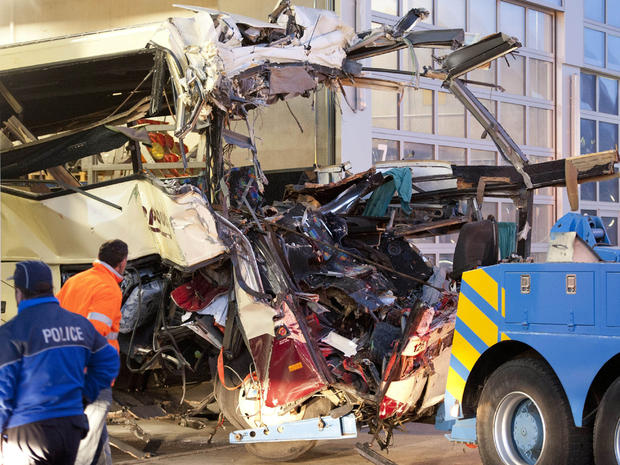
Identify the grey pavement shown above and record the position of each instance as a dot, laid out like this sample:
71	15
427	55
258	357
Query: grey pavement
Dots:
419	444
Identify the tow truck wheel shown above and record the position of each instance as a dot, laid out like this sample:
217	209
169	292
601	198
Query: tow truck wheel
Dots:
607	428
524	418
236	404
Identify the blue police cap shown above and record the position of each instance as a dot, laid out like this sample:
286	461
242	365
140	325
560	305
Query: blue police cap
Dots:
34	276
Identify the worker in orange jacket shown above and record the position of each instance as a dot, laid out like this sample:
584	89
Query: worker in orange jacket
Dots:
96	295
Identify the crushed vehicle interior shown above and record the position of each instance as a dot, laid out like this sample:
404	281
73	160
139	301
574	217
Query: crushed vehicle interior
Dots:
298	305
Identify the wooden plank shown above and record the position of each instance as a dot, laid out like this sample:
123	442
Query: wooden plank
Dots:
483	182
19	130
572	191
590	160
60	173
10	99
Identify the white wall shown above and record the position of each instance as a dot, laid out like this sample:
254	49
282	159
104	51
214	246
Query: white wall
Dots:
356	127
25	20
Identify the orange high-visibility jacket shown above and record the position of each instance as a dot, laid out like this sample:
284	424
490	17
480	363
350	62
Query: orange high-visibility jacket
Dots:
96	295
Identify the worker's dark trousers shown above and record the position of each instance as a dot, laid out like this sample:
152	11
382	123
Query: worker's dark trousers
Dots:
47	442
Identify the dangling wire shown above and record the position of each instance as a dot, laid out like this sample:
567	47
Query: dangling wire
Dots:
414	61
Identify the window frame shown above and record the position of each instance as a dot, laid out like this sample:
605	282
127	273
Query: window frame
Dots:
599	117
607	29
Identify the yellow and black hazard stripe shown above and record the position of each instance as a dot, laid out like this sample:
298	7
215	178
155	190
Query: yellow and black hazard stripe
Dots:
480	312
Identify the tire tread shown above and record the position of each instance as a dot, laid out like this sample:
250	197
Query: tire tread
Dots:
604	429
577	449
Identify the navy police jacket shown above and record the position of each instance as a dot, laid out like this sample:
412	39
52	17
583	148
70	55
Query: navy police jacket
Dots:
49	359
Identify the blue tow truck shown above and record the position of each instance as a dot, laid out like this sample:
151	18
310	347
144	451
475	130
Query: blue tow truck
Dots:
534	375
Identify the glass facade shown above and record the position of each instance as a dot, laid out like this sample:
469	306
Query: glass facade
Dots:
594	46
599	126
602	11
602	34
599	107
432	124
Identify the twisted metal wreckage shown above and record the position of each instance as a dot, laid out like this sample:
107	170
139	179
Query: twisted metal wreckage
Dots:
306	307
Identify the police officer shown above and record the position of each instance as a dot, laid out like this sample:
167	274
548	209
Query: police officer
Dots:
50	360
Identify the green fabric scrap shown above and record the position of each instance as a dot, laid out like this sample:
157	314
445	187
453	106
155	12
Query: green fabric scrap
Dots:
507	238
380	199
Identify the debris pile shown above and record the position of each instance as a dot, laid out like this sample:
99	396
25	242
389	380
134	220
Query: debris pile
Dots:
364	292
310	297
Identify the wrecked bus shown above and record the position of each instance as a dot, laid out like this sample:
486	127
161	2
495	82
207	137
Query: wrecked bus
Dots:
313	306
